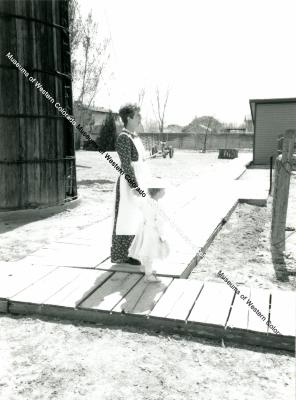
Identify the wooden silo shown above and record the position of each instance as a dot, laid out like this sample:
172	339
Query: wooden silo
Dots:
37	157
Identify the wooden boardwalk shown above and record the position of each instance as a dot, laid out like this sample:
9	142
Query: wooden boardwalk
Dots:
205	309
196	212
73	277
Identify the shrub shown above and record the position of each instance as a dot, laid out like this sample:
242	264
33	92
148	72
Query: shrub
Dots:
106	140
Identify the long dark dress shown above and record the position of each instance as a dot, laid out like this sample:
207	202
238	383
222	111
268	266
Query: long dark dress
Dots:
127	153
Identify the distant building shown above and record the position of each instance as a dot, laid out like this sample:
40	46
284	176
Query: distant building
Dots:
249	126
271	118
246	127
234	130
99	115
173	128
202	125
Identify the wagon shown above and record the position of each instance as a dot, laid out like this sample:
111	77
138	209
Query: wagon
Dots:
162	149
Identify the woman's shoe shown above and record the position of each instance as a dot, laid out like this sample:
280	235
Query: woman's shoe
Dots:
118	261
128	260
133	261
151	278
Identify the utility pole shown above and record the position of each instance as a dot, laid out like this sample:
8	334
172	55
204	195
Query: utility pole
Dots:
206	135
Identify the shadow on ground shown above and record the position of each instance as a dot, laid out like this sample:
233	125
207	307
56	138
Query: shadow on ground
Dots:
88	182
11	220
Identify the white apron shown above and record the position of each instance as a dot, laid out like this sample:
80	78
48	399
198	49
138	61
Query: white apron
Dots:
129	214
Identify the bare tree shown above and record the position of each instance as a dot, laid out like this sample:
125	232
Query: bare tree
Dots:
75	33
90	56
151	126
208	129
141	96
95	57
160	108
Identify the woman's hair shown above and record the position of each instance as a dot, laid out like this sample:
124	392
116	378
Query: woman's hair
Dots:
153	191
128	110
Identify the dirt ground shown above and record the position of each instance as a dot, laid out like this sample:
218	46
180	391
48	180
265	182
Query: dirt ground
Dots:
52	359
242	250
56	360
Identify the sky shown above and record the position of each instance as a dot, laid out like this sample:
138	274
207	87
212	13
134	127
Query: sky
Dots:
213	55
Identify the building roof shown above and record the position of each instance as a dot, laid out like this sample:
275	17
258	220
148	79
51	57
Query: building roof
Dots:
281	100
205	127
94	109
253	103
102	110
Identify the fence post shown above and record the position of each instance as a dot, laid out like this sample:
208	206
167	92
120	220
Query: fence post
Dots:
283	166
270	174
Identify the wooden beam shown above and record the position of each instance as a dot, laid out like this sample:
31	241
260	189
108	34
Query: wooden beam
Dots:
283	312
283	167
107	296
178	299
143	297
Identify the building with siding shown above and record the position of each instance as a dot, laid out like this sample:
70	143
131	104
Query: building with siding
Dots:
99	116
271	118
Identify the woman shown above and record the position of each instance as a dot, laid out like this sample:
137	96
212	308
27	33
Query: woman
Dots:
129	185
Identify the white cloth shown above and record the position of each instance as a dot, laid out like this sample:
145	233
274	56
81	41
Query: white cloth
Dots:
149	242
129	215
142	171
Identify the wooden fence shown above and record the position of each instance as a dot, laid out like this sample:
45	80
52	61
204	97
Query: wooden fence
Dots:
195	141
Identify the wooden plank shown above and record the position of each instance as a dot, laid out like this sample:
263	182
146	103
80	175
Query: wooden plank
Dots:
91	253
172	268
143	296
283	312
218	176
254	190
8	267
200	224
179	247
193	213
46	287
78	289
3	306
259	299
111	292
67	248
76	258
107	265
33	261
21	279
163	268
192	264
101	230
213	304
78	241
178	299
239	312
